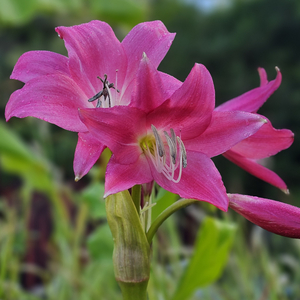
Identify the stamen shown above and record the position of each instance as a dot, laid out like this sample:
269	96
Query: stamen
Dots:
172	147
171	166
105	92
117	80
183	153
173	136
159	143
99	103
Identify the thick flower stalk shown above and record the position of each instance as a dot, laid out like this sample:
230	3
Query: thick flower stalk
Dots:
131	254
159	135
98	72
267	141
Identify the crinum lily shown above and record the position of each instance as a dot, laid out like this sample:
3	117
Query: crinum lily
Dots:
150	139
99	72
267	141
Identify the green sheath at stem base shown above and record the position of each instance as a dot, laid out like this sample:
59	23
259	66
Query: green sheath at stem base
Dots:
136	291
131	256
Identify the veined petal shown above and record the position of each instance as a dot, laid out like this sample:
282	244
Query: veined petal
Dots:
148	92
190	108
256	169
52	98
225	130
94	51
263	76
170	84
34	64
153	38
200	180
118	128
87	152
267	141
252	100
121	177
274	216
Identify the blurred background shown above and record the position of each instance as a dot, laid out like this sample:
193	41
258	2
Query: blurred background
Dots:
54	239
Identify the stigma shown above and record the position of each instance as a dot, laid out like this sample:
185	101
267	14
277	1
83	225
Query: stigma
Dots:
167	153
105	93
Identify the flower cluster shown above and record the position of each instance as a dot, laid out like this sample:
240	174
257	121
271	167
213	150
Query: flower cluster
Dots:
158	128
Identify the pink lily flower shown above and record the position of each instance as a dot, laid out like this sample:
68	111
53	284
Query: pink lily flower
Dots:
99	68
267	141
274	216
151	138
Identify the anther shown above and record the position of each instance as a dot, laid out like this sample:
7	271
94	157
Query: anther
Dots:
172	147
105	92
183	153
159	143
173	137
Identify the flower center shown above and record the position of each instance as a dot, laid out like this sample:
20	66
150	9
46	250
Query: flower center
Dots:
105	93
168	157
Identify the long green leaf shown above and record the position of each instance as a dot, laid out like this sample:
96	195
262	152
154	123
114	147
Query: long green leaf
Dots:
17	158
210	255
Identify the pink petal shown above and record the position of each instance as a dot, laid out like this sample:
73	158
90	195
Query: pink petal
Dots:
225	130
121	177
274	216
263	76
52	98
153	38
267	141
148	92
256	169
170	84
94	51
254	99
88	151
200	180
33	64
190	108
119	128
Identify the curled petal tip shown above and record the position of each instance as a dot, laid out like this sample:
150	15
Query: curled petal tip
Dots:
77	178
264	120
286	191
58	33
277	69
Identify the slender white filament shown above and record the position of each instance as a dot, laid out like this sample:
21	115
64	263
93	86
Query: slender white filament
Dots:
176	159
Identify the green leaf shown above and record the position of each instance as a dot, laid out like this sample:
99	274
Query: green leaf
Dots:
210	255
100	243
164	200
17	158
17	11
11	144
129	12
93	197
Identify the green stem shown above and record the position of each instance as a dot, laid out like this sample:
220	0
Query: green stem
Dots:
136	197
134	291
132	253
167	213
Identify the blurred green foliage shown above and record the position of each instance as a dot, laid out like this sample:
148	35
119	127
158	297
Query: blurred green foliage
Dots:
126	12
54	239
